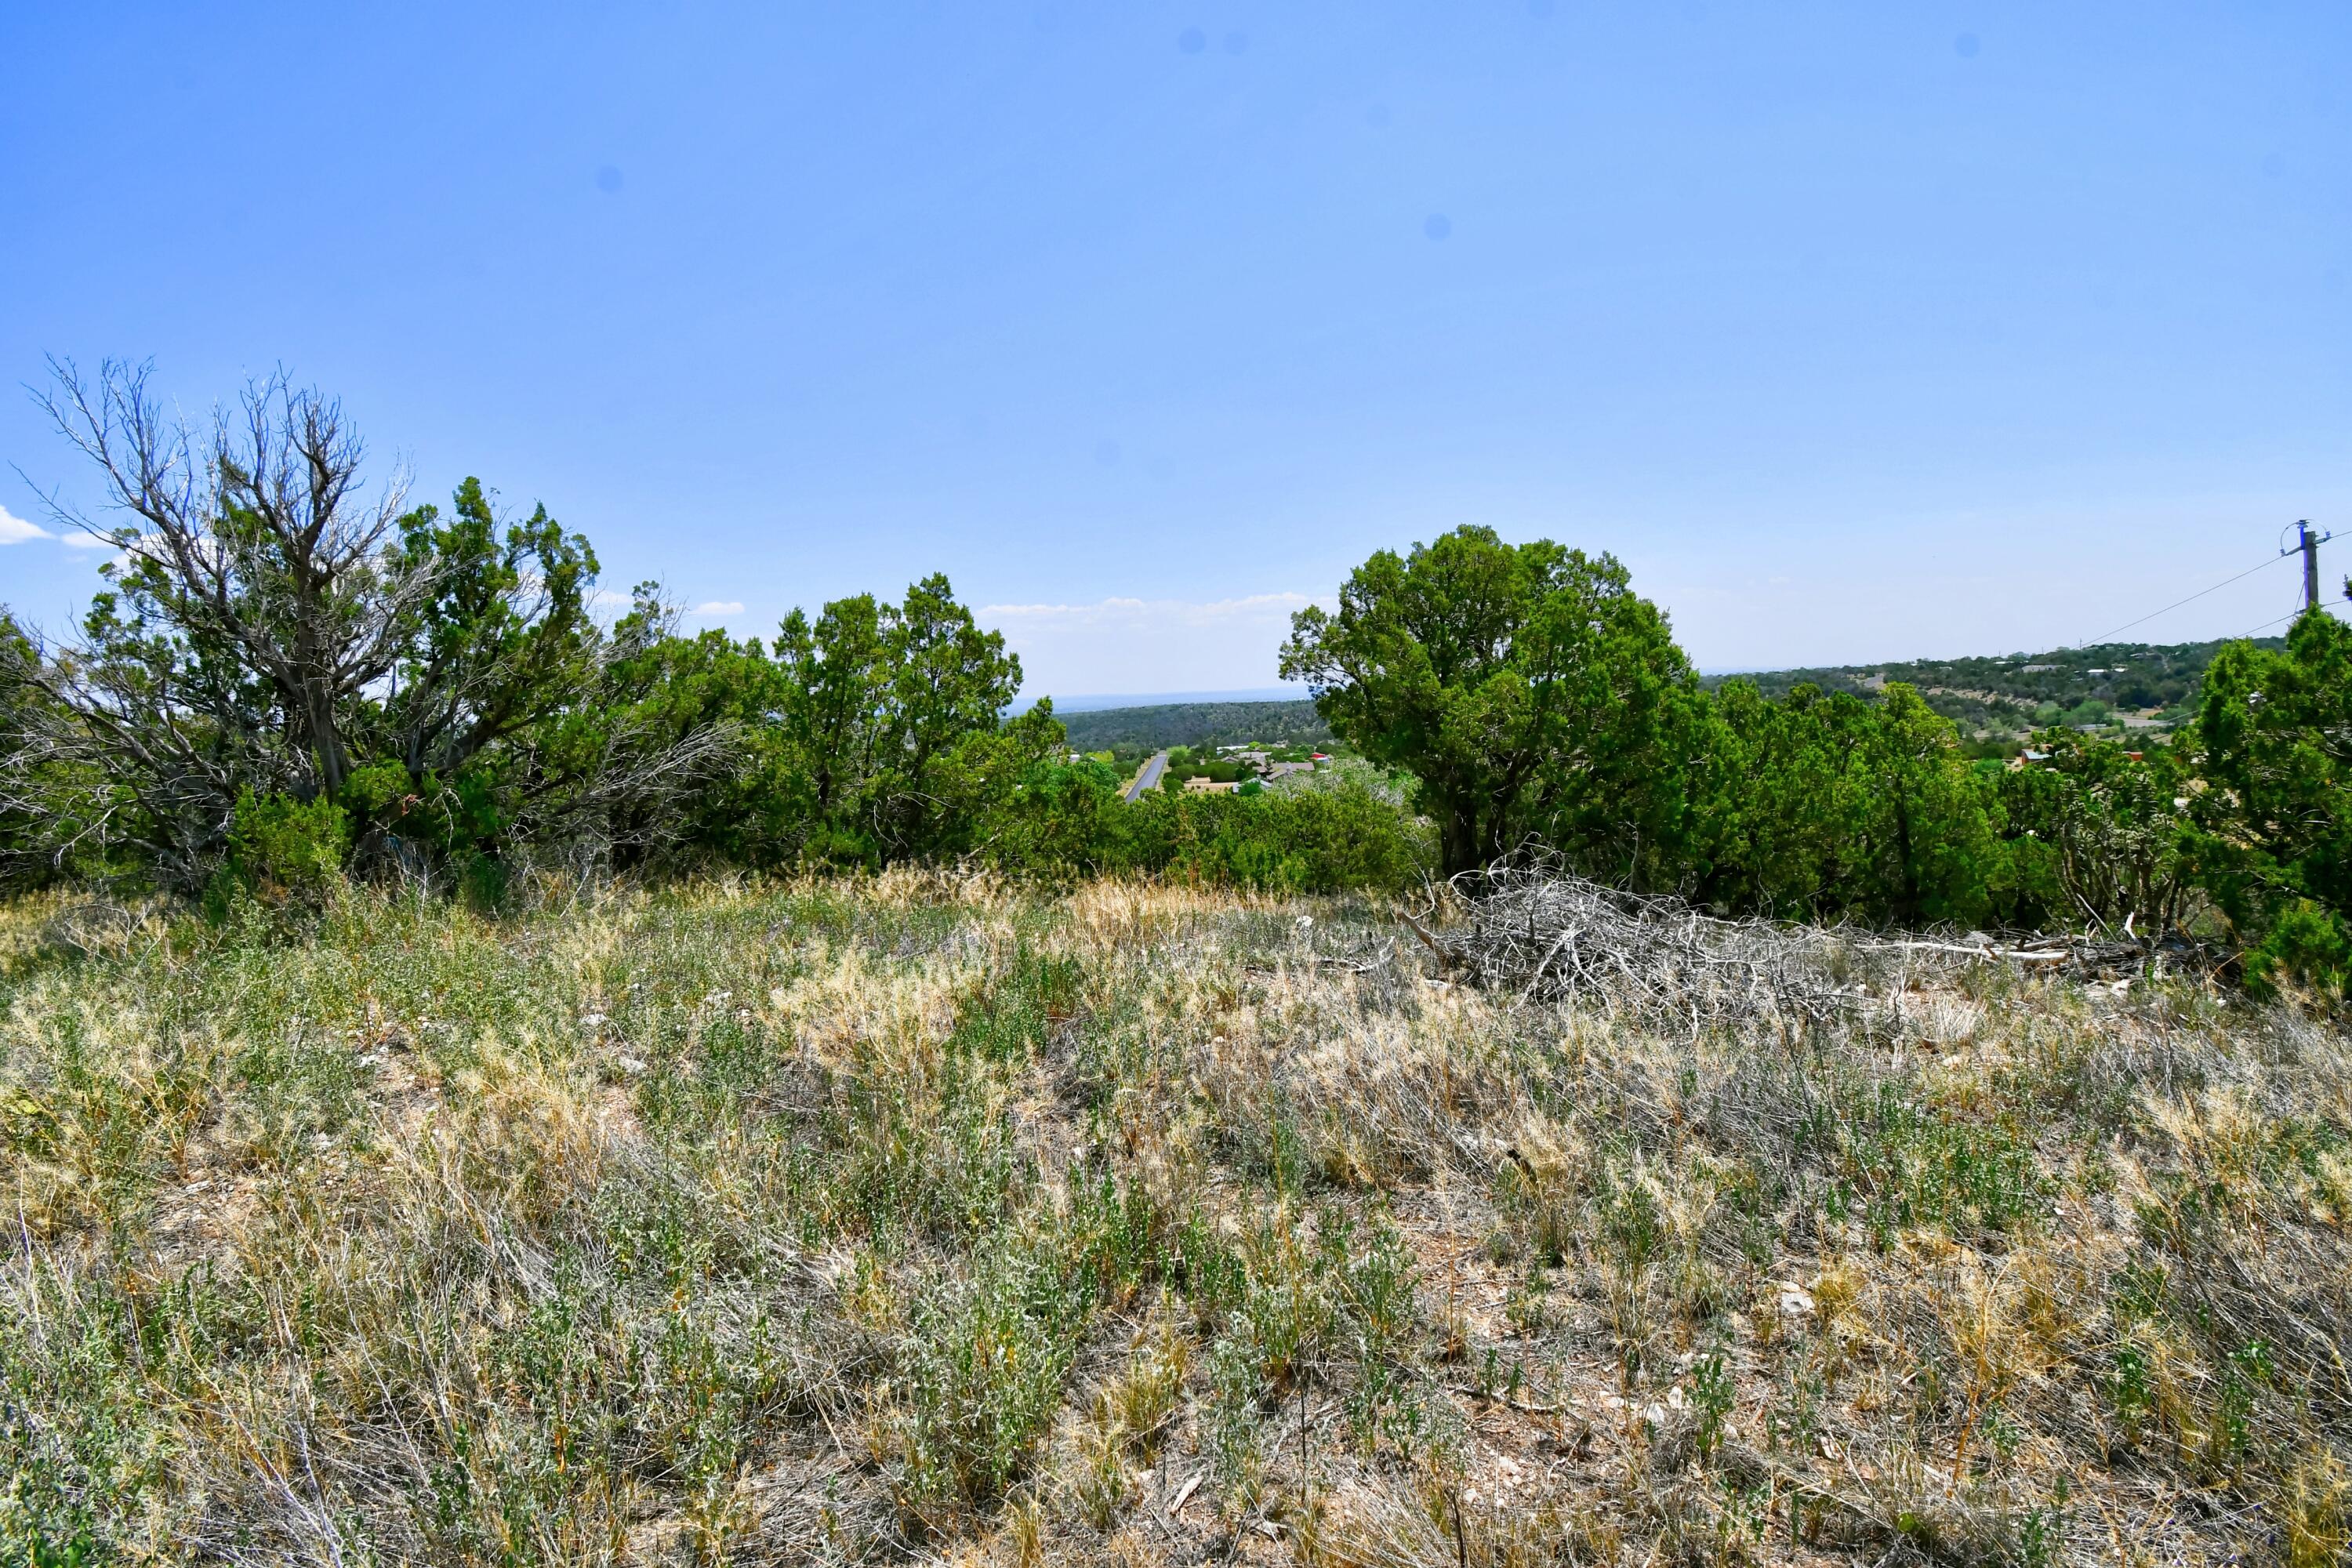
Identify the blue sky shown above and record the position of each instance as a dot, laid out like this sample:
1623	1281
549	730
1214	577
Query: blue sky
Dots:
1857	330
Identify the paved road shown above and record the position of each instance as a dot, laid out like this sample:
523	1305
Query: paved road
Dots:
1149	776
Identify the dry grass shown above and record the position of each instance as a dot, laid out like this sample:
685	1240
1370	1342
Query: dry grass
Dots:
934	1219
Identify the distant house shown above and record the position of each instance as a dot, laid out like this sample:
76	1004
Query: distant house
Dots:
1207	786
1276	770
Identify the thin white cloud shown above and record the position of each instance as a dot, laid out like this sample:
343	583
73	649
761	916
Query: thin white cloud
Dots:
606	599
1135	645
16	531
719	607
78	540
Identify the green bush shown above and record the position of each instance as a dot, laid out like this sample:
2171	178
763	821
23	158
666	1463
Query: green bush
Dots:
283	851
2273	840
2093	834
1313	841
1828	804
983	1376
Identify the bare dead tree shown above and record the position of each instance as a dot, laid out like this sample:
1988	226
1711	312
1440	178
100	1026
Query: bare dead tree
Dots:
251	543
273	624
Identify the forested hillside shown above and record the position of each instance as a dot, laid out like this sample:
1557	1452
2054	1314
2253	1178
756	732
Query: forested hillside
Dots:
2010	694
1996	696
1197	724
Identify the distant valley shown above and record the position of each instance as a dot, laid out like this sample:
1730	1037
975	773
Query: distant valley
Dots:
1993	700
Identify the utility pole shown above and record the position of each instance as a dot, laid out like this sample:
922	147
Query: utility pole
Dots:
2309	544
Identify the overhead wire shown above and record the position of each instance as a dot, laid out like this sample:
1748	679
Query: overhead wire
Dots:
2192	598
2295	614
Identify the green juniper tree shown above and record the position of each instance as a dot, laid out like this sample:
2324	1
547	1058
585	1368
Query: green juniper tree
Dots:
2097	835
272	629
1527	689
1828	804
2274	815
890	724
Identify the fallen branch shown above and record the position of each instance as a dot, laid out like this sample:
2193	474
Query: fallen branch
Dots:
1533	927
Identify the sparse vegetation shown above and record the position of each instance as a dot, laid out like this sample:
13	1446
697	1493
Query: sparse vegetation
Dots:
1077	1179
918	1215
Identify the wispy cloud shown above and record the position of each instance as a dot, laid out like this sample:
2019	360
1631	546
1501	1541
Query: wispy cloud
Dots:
1128	644
719	607
78	540
16	531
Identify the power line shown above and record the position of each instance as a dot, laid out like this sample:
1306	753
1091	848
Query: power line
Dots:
2192	598
2295	614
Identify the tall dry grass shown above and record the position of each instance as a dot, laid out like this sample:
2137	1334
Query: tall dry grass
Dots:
935	1218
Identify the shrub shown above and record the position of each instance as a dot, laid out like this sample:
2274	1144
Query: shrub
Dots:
284	850
1313	841
984	1376
2274	840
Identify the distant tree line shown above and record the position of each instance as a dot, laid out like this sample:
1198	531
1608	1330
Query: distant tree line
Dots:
1197	724
1538	701
2118	675
290	680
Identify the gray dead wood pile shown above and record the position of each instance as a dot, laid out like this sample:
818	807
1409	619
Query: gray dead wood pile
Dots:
1535	928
